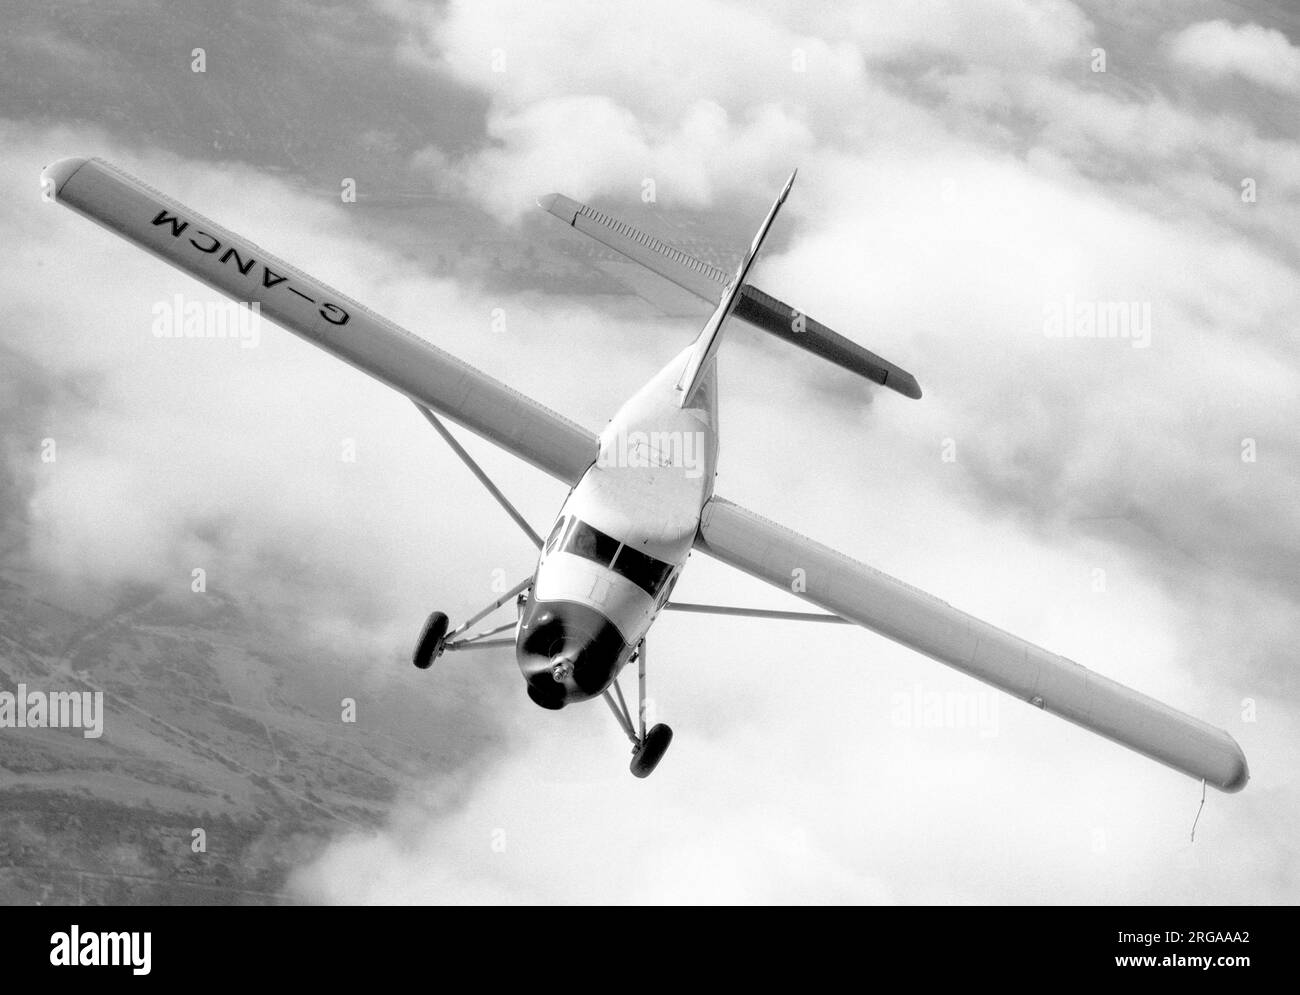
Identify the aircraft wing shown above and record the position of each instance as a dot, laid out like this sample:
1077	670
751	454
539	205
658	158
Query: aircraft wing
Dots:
876	601
321	315
707	282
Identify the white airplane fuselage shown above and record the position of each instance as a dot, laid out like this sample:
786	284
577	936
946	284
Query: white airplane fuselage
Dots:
623	535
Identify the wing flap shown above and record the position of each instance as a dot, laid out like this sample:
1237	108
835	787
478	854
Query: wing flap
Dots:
928	625
336	323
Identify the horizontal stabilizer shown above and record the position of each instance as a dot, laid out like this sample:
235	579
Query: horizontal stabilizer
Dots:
771	315
691	274
707	282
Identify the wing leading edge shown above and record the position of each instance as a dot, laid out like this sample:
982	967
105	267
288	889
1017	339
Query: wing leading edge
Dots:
928	625
339	325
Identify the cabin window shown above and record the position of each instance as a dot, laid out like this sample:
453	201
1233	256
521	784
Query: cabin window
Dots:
644	571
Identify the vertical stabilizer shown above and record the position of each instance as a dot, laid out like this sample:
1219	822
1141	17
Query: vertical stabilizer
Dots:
706	346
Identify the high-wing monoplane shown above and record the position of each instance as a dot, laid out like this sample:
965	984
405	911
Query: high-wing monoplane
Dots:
641	493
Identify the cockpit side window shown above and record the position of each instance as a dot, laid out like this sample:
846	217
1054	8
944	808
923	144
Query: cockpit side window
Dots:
644	571
590	544
666	593
555	533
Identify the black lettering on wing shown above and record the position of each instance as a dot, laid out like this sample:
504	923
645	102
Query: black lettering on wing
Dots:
240	265
334	314
163	218
216	242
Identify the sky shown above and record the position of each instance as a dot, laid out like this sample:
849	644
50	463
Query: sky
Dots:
969	171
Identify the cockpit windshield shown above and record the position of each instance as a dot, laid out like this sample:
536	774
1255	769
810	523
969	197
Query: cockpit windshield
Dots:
591	544
643	570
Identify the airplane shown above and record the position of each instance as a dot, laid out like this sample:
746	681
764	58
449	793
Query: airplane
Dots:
641	496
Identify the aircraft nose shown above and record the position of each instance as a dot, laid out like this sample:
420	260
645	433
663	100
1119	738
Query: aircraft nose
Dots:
567	652
550	685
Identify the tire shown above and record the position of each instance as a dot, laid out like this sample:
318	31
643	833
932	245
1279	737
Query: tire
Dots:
429	648
646	757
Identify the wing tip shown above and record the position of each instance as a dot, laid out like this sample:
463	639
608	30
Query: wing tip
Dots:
564	208
57	173
904	383
1240	772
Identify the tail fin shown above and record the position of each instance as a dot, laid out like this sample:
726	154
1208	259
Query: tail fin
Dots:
706	281
706	345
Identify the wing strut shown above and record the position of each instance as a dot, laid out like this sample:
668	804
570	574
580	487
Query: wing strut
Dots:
679	606
478	472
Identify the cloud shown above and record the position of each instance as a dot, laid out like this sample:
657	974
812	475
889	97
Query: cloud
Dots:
1219	49
1012	34
659	63
588	145
705	129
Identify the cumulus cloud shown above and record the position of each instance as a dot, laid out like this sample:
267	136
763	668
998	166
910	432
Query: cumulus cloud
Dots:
588	145
646	100
1012	34
1250	51
698	125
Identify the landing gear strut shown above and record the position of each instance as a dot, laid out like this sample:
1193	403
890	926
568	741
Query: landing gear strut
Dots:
648	748
436	640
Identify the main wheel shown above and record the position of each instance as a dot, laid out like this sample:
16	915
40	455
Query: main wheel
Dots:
646	757
429	648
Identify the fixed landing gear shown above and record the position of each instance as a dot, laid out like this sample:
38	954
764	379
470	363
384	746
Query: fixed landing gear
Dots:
646	756
648	748
435	639
432	641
